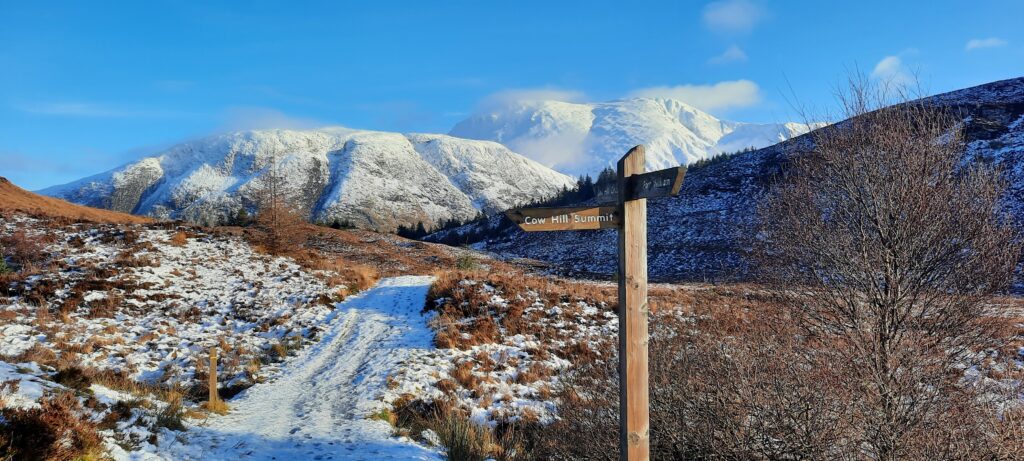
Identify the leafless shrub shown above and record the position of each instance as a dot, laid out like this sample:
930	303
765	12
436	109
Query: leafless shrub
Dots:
891	246
588	424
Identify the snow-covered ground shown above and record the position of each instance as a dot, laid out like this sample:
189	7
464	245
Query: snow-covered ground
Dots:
502	349
145	304
129	300
320	406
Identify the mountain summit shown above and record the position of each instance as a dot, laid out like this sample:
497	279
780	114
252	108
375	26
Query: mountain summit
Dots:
371	179
584	138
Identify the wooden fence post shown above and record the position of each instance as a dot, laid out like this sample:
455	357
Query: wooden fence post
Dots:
214	396
634	419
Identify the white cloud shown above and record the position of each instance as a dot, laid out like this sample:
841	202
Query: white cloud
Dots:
718	96
732	15
892	70
731	54
508	97
979	43
241	118
565	151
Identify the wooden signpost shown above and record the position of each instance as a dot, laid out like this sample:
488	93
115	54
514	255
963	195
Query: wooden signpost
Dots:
629	215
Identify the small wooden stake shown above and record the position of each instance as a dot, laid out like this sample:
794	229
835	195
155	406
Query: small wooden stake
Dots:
634	420
214	396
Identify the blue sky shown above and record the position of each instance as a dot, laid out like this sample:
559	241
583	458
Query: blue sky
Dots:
87	86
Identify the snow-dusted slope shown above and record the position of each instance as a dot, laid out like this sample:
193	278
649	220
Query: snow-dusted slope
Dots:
583	138
704	232
372	179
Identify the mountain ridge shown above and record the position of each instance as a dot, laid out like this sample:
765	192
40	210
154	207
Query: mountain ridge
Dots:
371	179
583	138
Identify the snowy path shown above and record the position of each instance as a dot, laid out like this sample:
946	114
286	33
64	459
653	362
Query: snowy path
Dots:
317	408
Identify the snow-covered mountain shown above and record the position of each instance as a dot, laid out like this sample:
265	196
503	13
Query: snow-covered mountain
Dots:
584	138
371	179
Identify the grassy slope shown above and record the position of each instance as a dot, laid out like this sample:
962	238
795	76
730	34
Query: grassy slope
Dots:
14	198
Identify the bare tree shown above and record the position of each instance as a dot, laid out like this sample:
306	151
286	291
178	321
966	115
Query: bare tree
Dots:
891	245
280	226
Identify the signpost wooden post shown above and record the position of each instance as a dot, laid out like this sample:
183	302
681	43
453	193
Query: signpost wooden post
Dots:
634	421
629	215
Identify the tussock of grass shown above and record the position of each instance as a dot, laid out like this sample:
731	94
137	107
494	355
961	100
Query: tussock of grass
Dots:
172	415
216	406
462	439
179	238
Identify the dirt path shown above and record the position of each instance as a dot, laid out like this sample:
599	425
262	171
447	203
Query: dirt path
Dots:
317	408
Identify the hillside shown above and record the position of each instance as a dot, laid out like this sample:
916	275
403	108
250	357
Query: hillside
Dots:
16	199
584	138
373	180
700	234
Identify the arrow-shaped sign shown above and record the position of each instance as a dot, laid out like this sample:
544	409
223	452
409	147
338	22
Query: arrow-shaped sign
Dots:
565	218
661	183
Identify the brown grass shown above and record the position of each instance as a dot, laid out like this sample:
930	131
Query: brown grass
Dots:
216	406
463	374
16	199
468	318
462	439
27	253
37	353
7	316
447	386
533	373
55	431
180	238
106	307
352	276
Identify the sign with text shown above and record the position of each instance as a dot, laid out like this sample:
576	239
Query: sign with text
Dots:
629	216
561	219
661	183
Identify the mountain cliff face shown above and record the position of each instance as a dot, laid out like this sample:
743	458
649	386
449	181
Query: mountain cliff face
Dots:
702	234
373	180
584	138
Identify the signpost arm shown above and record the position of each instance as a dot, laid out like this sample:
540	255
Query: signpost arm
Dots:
634	421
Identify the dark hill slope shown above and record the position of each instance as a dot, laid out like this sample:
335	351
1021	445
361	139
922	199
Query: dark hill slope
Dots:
701	234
